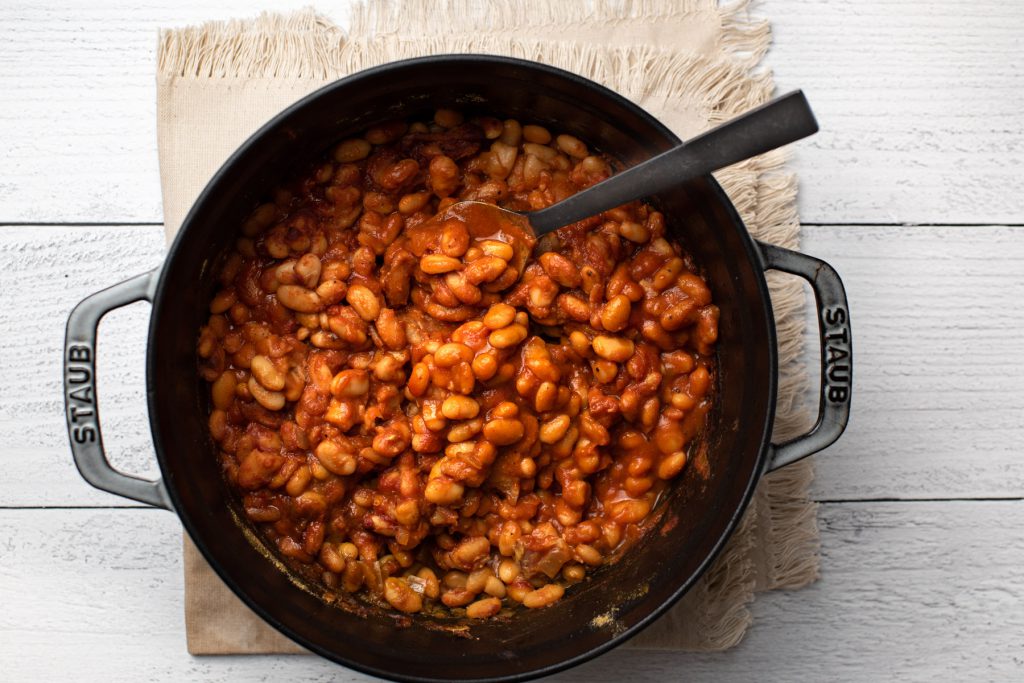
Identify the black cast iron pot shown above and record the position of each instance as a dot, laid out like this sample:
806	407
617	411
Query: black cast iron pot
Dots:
698	514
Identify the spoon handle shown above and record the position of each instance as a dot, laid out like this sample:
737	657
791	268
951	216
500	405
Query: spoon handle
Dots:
774	124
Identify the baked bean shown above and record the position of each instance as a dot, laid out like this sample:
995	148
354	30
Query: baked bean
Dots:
354	149
271	400
485	269
544	154
667	274
615	349
482	609
505	409
443	491
435	264
590	278
532	168
431	586
390	329
508	571
471	552
572	146
334	459
630	511
615	314
502	250
507	337
537	134
700	380
384	133
560	269
499	316
460	408
452	353
444	175
464	291
260	219
413	202
223	300
350	383
492	404
433	417
331	559
266	373
377	202
502	160
331	291
543	597
706	332
554	429
580	343
457	597
223	390
454	239
634	232
545	397
218	424
502	432
511	133
298	482
485	366
573	573
447	118
589	555
465	430
299	298
574	307
364	302
491	126
671	465
307	269
518	591
419	379
401	596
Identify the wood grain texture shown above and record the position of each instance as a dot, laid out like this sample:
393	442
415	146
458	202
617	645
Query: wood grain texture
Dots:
909	592
78	87
938	389
46	271
920	104
938	397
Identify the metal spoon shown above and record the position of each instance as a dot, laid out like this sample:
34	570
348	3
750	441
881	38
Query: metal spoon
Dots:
772	125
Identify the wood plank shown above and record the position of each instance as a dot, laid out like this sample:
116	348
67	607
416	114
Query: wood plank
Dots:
919	105
909	591
938	393
936	323
47	270
81	83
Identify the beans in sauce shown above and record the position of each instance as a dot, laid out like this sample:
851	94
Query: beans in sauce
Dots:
427	408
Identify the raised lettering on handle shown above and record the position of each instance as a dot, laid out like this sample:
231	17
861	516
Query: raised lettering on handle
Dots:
836	353
81	401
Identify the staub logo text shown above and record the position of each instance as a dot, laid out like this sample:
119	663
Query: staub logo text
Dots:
81	393
837	361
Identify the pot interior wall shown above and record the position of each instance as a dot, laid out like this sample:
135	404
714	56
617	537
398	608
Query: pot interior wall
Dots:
698	513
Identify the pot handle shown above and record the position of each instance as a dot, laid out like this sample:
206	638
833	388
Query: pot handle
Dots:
80	401
836	353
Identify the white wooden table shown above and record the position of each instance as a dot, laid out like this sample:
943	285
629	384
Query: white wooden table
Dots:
914	190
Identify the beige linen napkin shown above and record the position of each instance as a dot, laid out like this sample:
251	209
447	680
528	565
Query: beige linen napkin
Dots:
689	62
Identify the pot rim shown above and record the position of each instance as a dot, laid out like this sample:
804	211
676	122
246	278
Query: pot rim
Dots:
751	253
